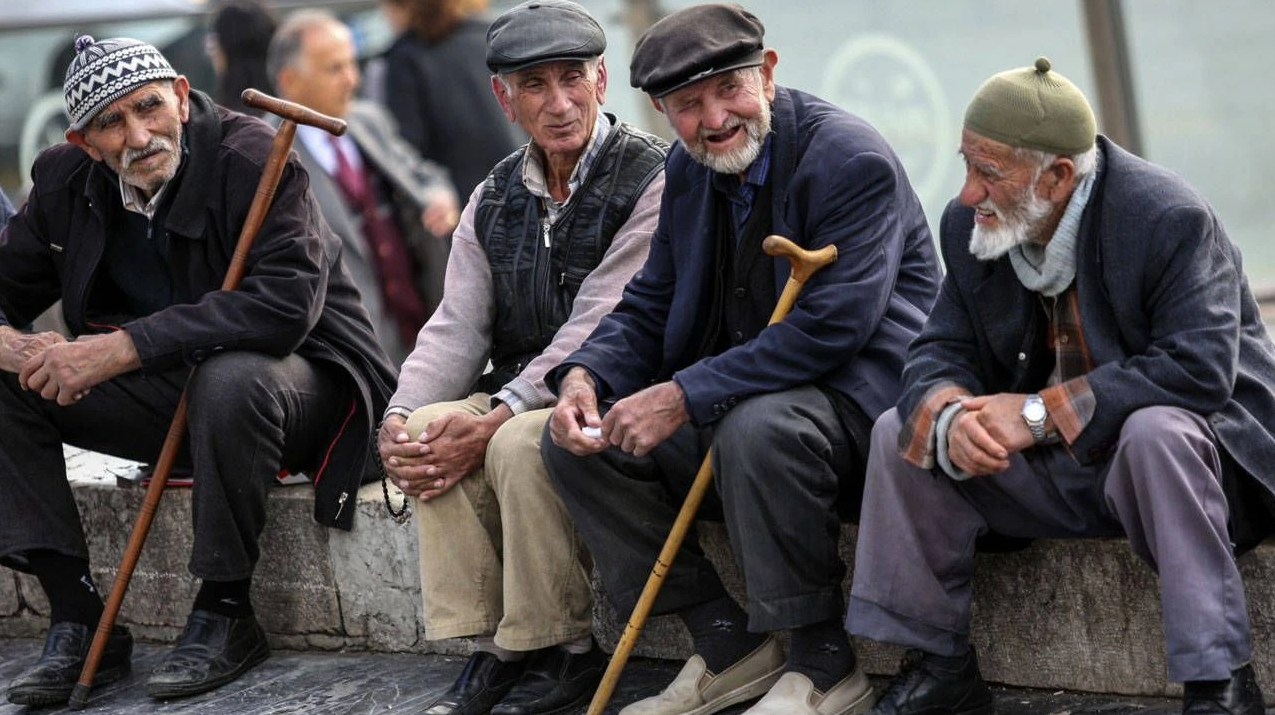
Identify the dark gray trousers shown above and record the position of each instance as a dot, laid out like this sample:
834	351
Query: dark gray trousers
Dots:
780	463
1162	489
249	414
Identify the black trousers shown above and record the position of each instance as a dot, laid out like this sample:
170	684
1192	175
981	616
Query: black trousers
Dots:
248	416
782	463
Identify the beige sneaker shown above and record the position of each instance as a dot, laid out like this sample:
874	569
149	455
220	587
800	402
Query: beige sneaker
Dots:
696	691
794	694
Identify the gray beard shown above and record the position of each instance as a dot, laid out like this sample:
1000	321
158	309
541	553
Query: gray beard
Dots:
736	161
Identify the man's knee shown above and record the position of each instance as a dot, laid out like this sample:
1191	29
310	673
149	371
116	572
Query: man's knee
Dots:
514	450
759	424
1154	436
228	383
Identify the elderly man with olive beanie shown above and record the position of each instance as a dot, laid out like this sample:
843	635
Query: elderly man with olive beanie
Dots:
1094	366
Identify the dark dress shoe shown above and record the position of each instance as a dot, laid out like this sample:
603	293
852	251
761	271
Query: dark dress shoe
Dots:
936	685
556	682
1237	696
53	677
483	681
213	650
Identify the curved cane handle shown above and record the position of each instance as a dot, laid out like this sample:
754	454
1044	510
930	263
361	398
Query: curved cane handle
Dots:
293	111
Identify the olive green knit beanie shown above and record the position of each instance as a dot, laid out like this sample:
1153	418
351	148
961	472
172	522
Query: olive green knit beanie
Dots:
1033	108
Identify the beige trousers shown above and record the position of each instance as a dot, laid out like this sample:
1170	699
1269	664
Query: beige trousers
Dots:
498	553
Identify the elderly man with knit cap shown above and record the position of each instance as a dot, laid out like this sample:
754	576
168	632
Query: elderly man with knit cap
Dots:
687	361
1094	366
131	224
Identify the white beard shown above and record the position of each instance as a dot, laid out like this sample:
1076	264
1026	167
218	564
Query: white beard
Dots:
735	161
1019	224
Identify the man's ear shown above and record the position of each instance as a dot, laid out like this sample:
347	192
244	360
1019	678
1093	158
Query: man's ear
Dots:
181	87
502	95
1060	180
659	106
601	89
78	139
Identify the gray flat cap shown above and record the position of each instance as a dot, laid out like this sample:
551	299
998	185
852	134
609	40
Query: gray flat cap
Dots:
542	31
695	43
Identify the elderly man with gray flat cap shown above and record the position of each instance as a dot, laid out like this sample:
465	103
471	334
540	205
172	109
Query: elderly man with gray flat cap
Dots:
1094	366
543	250
687	361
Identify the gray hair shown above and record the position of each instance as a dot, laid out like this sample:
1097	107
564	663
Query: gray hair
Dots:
285	45
1085	161
590	69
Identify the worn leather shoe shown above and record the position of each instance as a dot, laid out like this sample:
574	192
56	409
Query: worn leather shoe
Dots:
934	685
53	677
794	694
696	691
556	682
482	683
1237	696
213	650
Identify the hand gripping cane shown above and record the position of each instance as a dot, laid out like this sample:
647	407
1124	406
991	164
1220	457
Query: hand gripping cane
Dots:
804	264
292	114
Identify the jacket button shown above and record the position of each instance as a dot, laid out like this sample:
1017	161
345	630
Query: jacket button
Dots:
1022	357
741	292
198	355
738	335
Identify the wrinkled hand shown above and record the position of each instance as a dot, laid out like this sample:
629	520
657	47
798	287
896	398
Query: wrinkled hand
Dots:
577	407
401	456
991	428
66	371
441	214
454	446
644	419
17	347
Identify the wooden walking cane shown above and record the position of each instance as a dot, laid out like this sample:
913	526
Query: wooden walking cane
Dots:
292	114
804	264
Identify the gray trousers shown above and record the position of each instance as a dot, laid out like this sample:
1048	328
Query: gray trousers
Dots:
248	415
1161	489
780	463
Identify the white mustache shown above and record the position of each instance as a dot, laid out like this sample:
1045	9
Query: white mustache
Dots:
156	144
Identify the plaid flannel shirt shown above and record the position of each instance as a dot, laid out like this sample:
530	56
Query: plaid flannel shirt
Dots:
1068	397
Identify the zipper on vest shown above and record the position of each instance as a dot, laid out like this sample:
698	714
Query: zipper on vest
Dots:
544	229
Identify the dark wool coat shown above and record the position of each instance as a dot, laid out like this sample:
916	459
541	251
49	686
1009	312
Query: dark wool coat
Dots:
835	181
1165	309
295	298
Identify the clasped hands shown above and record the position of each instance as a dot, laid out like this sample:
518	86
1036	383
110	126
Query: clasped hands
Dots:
981	439
635	424
450	447
64	370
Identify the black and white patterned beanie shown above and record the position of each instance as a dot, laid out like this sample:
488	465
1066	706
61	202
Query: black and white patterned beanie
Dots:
103	71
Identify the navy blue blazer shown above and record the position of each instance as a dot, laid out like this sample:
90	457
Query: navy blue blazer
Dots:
835	180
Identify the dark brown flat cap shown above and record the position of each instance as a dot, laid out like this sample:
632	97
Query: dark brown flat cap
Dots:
542	31
695	43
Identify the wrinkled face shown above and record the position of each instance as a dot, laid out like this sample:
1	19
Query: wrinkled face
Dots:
724	119
555	102
325	74
1002	190
139	135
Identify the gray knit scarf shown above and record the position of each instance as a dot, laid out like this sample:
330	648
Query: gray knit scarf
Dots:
1050	268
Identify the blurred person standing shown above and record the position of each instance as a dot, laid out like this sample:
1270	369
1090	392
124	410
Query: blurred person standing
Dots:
6	209
393	210
238	36
436	84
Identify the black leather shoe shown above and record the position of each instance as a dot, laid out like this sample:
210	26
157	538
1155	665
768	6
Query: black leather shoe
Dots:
1237	696
213	650
53	677
934	685
483	681
556	682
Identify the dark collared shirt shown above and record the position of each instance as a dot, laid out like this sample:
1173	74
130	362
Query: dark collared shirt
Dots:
743	194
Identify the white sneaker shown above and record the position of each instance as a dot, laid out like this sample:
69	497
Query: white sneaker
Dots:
794	694
696	691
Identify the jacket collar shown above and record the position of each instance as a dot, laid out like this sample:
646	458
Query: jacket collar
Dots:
186	216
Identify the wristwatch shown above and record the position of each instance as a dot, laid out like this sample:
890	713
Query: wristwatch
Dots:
1034	415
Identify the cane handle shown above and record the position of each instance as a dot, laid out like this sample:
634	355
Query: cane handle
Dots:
291	110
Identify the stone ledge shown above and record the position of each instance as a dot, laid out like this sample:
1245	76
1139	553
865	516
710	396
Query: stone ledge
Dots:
1063	614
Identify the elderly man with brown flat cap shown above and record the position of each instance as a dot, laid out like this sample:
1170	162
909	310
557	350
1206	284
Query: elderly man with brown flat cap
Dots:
686	361
543	250
1095	366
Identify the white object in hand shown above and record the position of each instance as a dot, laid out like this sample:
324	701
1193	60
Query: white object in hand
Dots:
592	432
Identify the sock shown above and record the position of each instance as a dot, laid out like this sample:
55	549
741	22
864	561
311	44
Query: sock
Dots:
68	585
579	646
821	651
228	598
487	644
720	631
